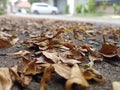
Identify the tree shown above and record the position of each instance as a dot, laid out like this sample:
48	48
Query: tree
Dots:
32	1
91	6
3	6
3	3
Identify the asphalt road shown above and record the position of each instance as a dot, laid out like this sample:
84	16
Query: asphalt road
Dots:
111	19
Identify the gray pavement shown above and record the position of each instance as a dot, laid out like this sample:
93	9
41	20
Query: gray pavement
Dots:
111	19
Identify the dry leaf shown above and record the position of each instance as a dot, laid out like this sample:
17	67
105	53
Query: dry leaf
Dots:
91	73
29	67
46	77
52	56
36	25
94	58
26	79
21	53
68	61
76	76
62	70
118	52
108	50
17	77
5	79
15	69
92	55
7	40
78	36
116	85
22	79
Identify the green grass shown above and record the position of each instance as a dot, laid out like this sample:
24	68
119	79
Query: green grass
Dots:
98	15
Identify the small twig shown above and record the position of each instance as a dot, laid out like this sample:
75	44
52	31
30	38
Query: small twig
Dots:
104	41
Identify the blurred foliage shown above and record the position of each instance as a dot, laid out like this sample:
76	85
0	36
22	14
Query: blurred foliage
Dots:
79	8
3	6
2	11
3	3
67	9
104	4
82	8
91	6
32	1
116	8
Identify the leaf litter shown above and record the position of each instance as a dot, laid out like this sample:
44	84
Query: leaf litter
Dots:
53	49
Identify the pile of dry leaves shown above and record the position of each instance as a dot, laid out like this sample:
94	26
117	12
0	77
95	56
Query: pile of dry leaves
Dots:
57	47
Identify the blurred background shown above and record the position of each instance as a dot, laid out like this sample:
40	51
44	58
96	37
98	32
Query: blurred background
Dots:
70	7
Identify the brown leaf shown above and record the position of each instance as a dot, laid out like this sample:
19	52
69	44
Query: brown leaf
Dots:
108	50
46	77
95	57
7	40
29	67
22	79
62	70
118	52
92	55
91	73
78	36
26	79
68	61
5	79
21	53
76	76
36	25
15	69
17	77
52	56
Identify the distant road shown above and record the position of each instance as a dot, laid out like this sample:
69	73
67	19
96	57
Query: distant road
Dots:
71	18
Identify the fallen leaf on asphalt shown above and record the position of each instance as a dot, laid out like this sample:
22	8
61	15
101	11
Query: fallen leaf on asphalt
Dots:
51	55
21	79
36	25
17	77
21	53
29	67
15	69
91	73
77	77
92	55
7	40
46	77
66	59
49	34
118	52
116	85
108	50
62	70
78	36
26	79
5	79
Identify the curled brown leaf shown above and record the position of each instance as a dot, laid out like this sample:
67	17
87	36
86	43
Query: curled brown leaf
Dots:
5	79
76	76
108	50
91	73
46	77
62	70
